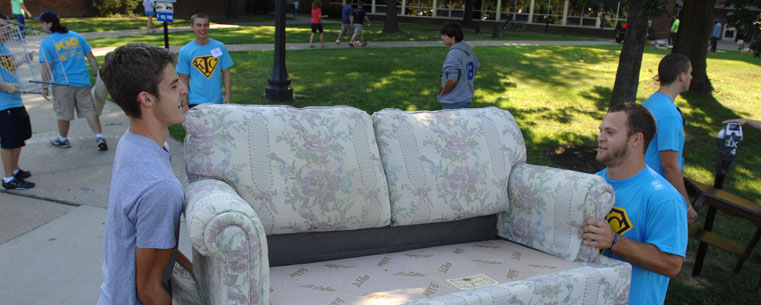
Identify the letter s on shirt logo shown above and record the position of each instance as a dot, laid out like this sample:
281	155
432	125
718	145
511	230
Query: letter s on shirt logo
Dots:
618	220
471	70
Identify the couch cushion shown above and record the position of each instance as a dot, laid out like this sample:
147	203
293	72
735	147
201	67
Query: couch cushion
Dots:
447	165
301	170
403	276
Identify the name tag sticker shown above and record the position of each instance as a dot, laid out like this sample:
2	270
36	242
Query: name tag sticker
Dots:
216	52
472	282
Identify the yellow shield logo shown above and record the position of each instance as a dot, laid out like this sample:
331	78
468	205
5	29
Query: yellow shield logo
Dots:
7	62
618	220
205	64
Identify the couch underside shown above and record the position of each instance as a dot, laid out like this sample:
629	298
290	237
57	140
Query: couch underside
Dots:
399	277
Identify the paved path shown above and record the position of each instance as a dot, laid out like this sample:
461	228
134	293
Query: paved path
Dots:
51	237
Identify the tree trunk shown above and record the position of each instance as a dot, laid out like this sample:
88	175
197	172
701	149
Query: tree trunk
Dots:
692	40
467	17
630	60
392	24
232	11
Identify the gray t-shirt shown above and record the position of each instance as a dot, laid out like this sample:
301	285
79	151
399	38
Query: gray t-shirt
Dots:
144	207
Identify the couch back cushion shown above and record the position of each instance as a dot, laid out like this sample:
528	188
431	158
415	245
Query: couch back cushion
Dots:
447	165
301	170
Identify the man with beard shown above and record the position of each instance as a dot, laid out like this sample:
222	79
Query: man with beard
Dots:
647	226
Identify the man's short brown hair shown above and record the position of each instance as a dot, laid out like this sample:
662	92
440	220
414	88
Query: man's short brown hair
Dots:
638	119
134	68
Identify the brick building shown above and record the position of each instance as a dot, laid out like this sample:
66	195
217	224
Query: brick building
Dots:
82	8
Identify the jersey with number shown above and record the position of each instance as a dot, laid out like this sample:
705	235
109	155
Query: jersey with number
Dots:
648	209
67	51
461	65
8	75
203	64
669	134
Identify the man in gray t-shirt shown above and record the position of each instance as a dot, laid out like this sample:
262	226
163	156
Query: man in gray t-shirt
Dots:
146	198
459	69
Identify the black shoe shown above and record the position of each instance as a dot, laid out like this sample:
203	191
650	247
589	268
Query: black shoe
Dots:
102	146
22	174
16	184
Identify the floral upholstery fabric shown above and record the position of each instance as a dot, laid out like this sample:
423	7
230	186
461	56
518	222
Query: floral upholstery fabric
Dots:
395	278
606	281
447	165
548	207
229	246
301	170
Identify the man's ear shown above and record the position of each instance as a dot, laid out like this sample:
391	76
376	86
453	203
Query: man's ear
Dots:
145	99
638	139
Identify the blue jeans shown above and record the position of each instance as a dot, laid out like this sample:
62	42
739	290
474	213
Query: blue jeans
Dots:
456	105
22	21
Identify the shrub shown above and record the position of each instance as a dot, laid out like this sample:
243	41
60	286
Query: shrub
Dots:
105	8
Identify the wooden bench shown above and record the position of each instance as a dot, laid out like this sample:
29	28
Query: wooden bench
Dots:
731	205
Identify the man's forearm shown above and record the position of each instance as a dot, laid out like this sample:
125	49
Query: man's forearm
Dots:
674	176
448	86
648	256
228	84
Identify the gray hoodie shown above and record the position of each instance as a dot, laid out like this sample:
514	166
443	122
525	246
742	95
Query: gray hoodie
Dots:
462	65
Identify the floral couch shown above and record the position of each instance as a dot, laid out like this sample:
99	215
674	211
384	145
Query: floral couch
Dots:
329	205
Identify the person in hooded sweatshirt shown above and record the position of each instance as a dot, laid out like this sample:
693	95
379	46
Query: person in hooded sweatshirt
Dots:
460	67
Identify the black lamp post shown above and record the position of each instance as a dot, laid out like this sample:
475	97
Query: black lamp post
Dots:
279	85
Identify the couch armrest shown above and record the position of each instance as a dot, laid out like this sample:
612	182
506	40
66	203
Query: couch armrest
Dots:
229	245
548	207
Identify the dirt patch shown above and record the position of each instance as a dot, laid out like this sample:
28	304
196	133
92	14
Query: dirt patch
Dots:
578	158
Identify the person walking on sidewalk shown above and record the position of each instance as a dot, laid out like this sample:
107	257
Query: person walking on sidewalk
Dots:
460	68
317	23
715	34
358	16
149	12
674	31
68	49
204	65
19	12
146	198
346	23
295	8
15	127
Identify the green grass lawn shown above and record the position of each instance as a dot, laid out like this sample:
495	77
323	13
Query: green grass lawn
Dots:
102	24
558	96
300	33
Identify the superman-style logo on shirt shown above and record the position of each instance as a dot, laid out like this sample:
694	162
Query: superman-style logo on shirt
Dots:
619	221
7	62
205	64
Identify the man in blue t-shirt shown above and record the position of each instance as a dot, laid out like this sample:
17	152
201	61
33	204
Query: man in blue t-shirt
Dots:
204	64
665	153
65	54
345	21
146	198
15	127
647	226
459	69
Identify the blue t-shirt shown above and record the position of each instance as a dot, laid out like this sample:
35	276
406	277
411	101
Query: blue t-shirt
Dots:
716	33
648	209
67	50
670	133
204	64
144	207
345	13
8	75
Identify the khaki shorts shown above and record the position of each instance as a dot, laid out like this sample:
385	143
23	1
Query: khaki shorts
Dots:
346	28
358	29
66	99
